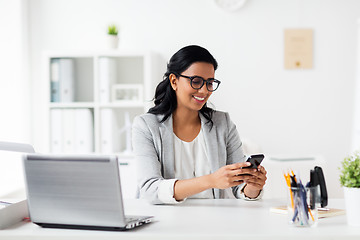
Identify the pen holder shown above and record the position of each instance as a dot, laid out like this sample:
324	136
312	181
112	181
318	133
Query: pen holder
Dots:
302	204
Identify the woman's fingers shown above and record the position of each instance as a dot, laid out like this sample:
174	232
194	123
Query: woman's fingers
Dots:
243	171
259	179
235	174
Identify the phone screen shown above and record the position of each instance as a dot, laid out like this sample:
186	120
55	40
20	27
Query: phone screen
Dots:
255	160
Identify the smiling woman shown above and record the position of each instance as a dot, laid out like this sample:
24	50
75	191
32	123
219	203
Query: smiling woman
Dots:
184	148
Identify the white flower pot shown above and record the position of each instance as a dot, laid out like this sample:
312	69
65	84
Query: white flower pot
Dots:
113	41
352	200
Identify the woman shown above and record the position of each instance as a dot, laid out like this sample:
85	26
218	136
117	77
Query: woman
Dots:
186	149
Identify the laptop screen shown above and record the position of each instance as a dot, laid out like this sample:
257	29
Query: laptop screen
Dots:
71	189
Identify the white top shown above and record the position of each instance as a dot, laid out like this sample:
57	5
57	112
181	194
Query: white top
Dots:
191	161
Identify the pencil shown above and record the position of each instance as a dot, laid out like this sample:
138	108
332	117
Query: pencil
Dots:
312	217
287	179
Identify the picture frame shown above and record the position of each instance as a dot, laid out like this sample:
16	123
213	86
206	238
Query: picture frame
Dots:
122	93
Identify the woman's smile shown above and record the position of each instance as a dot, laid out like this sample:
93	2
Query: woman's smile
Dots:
199	99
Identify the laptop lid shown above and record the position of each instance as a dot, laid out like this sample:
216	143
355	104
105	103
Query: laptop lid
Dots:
16	147
74	190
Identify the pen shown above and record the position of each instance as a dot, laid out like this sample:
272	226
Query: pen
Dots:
5	203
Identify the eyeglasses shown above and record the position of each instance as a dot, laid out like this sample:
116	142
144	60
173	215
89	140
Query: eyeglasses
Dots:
197	82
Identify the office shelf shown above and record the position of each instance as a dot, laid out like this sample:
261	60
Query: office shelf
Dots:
94	96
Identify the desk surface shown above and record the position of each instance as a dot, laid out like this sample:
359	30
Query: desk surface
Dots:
203	219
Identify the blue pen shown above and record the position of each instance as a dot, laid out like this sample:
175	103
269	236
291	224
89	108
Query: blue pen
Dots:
296	211
303	198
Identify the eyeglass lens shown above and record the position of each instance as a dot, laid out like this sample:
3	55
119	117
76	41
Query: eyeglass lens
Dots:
198	82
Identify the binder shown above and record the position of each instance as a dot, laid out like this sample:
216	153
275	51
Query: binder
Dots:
107	77
108	129
72	131
84	136
67	93
56	130
54	80
68	129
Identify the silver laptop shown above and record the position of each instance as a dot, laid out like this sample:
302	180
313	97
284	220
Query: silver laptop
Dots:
84	192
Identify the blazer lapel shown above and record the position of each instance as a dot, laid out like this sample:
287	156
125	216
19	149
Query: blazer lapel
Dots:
210	137
167	151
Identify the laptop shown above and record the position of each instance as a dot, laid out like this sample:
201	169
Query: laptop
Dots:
77	192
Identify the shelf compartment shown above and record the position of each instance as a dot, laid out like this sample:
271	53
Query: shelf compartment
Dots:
71	79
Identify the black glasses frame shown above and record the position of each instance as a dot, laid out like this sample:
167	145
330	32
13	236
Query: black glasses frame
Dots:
191	78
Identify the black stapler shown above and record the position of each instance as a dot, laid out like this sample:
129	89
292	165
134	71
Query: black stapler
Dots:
317	178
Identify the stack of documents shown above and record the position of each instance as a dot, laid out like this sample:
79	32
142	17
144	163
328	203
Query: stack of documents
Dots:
322	212
12	211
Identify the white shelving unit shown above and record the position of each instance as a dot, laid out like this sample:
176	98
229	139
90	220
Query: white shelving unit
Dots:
96	76
108	88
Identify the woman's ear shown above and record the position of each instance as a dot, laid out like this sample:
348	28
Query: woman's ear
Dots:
173	81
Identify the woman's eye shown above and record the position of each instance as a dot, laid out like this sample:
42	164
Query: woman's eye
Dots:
197	81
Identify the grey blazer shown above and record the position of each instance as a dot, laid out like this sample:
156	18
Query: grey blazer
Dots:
154	150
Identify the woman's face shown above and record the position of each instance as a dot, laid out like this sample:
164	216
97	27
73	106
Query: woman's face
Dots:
188	97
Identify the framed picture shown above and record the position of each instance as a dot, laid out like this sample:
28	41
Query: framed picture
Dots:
127	93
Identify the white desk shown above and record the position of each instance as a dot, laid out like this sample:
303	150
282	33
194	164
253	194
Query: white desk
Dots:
203	219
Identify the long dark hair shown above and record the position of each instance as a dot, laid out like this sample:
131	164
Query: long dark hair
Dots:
165	96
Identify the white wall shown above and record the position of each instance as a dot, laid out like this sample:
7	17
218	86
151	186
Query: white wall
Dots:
356	123
14	83
300	112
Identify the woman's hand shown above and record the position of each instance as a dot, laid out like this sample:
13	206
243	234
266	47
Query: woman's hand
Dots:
233	175
256	183
225	177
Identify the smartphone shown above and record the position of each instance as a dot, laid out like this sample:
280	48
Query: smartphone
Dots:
255	160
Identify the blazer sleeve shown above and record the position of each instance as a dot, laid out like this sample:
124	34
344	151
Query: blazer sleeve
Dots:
149	169
147	161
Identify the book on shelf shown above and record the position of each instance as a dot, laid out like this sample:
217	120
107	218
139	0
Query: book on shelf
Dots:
62	80
72	131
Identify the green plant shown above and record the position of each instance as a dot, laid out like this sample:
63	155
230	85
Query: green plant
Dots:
112	30
350	171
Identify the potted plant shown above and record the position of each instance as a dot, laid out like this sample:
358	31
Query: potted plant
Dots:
113	38
350	180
